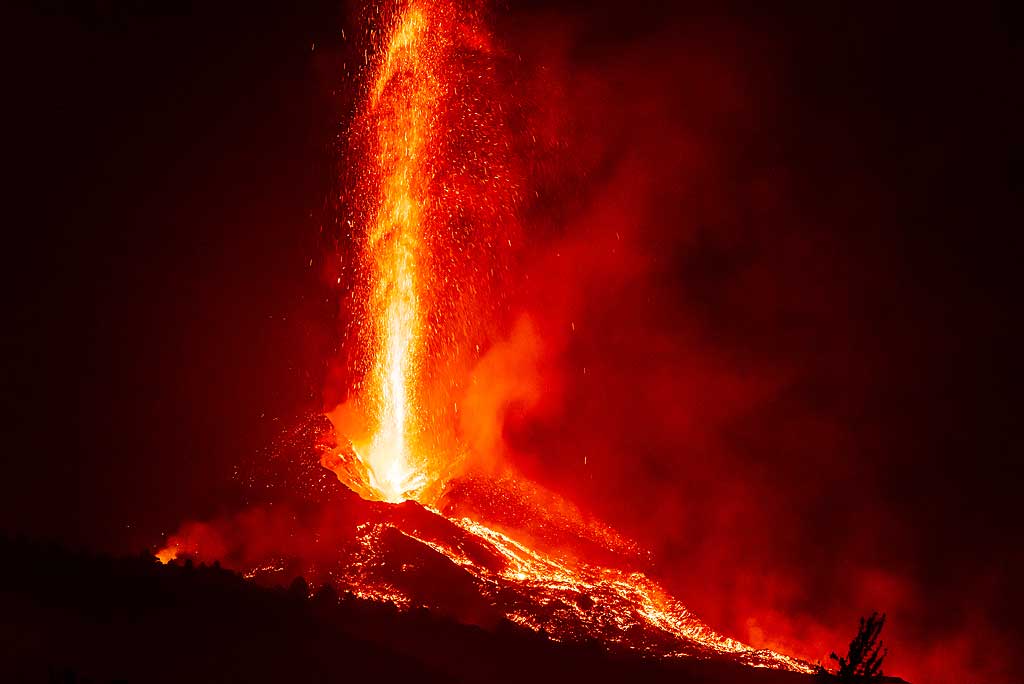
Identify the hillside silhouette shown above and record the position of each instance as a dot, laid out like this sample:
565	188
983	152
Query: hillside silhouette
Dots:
75	616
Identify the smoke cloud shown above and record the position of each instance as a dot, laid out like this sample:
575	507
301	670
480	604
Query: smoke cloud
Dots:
725	359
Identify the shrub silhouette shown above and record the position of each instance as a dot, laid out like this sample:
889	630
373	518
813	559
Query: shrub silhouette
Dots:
863	661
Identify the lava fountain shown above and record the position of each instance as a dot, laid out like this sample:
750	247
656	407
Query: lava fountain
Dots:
433	220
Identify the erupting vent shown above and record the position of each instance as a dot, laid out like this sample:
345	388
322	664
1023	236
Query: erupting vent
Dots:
431	211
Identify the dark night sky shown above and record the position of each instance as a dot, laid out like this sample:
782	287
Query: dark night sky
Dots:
168	170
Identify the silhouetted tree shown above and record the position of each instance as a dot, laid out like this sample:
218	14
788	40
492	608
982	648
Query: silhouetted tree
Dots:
863	662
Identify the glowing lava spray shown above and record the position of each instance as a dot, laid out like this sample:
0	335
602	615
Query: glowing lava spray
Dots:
392	248
433	217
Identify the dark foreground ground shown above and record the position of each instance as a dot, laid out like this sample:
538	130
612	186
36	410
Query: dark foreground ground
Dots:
77	617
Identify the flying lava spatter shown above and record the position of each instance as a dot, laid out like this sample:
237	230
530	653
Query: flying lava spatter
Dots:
392	246
435	196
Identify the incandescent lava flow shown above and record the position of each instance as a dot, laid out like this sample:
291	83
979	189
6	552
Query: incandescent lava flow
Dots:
431	210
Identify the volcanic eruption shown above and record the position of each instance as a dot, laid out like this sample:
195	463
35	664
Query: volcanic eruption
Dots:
429	358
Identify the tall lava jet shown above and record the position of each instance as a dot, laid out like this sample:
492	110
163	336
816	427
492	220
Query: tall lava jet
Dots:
431	213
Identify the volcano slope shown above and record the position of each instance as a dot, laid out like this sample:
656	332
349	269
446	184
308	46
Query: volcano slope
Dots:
75	616
395	590
494	550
